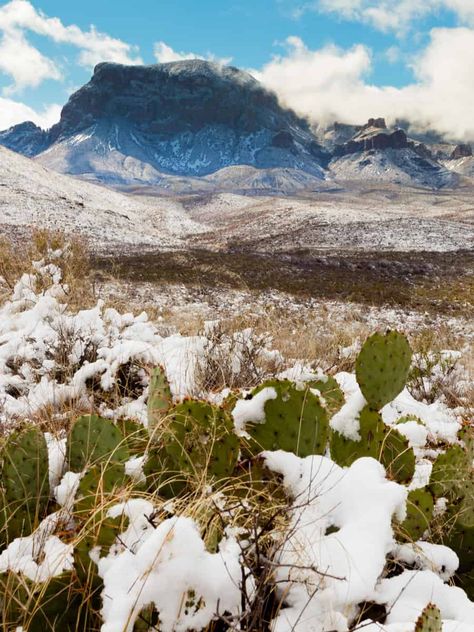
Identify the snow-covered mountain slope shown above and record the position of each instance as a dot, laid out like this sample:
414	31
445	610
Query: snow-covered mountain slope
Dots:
33	196
464	166
131	124
396	166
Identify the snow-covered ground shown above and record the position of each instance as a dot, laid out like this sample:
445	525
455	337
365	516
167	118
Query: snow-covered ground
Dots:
333	218
33	196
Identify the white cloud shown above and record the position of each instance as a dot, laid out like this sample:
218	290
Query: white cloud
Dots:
388	15
13	112
28	66
331	84
393	54
24	63
165	54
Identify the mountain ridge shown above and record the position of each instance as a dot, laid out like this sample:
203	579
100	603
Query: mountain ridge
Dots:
151	125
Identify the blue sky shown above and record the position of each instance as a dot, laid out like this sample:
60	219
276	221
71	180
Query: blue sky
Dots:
382	52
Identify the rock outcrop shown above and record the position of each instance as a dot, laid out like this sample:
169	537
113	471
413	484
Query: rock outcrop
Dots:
188	118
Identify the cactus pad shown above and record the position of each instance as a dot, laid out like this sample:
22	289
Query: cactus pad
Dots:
397	456
199	437
295	421
429	620
135	434
331	393
420	507
159	398
25	481
382	367
446	478
372	431
92	440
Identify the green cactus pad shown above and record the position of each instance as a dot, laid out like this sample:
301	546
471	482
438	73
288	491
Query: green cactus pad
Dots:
446	476
331	393
136	436
420	507
199	437
159	398
372	431
163	477
295	421
97	490
429	620
397	456
92	440
382	367
25	481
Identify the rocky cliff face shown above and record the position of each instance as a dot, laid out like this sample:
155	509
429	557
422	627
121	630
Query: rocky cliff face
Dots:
461	151
191	118
27	139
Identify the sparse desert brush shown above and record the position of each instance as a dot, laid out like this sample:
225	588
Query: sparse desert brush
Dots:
69	253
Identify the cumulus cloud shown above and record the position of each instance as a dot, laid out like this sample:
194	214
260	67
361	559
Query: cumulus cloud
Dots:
165	54
387	15
24	63
28	66
332	84
13	112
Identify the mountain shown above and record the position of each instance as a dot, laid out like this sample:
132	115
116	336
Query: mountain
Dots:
375	153
191	118
26	138
195	126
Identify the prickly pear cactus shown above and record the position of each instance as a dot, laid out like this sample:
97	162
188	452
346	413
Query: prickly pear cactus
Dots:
295	421
382	367
429	620
93	440
199	437
135	435
159	398
420	507
100	486
446	479
25	481
162	475
372	432
397	456
332	396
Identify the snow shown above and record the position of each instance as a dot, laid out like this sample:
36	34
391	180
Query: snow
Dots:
252	410
65	491
334	552
56	458
427	556
346	420
409	593
23	554
324	577
172	569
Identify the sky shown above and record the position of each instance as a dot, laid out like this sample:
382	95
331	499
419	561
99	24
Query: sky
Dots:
344	60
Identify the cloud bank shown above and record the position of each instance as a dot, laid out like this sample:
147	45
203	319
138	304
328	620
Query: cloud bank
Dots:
387	15
332	84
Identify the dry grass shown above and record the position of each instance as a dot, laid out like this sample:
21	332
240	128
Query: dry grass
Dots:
68	252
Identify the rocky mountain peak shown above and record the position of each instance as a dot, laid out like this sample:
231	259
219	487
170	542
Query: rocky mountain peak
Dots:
461	151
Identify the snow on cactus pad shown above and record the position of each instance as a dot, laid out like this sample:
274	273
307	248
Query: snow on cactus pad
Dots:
333	555
170	567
